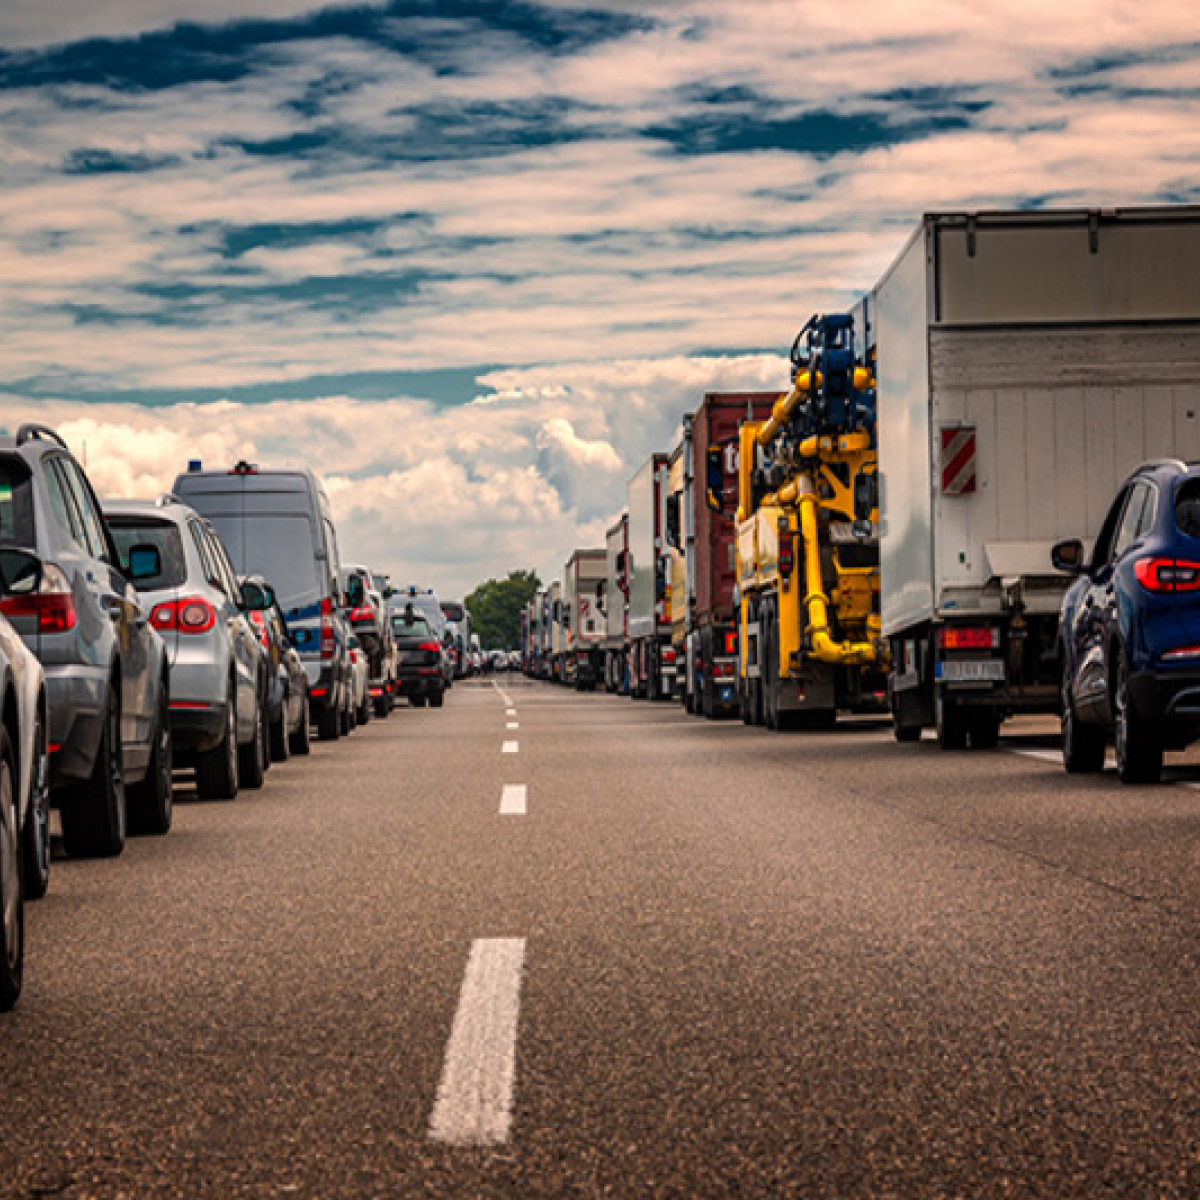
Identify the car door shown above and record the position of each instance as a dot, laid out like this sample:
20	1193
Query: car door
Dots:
119	598
243	640
1097	623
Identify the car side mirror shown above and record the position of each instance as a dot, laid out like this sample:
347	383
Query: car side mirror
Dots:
20	572
254	597
145	562
1068	556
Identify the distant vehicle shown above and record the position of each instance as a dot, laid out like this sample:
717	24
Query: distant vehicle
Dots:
278	524
429	606
218	677
24	812
498	660
106	669
360	691
459	619
1130	627
288	704
420	668
367	611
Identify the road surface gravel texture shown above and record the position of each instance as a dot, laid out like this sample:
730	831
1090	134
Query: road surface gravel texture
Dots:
698	960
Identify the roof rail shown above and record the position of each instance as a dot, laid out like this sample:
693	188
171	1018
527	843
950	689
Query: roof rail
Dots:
28	433
167	498
1154	463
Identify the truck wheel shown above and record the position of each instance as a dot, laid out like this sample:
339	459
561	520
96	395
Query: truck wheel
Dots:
417	701
150	802
93	813
983	728
12	893
217	769
35	838
1139	748
951	722
300	741
904	733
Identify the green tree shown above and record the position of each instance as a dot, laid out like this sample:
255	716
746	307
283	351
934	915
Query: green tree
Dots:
495	609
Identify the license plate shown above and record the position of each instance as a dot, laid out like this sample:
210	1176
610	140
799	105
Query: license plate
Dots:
986	671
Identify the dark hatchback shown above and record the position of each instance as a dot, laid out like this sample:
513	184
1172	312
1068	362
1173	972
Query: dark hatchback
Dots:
419	670
1130	627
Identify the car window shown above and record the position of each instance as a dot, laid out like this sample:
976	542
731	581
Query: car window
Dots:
165	537
16	505
1187	508
61	504
89	511
1131	520
225	572
418	628
279	548
202	548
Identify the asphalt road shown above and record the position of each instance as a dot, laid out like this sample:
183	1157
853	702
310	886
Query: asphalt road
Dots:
691	960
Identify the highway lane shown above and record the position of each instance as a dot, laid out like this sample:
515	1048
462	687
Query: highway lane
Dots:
715	962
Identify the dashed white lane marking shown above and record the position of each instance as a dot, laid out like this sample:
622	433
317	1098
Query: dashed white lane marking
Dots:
1050	756
509	748
513	800
510	712
474	1097
512	725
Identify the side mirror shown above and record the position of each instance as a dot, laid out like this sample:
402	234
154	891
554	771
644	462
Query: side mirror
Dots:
254	597
145	562
20	572
714	491
1068	556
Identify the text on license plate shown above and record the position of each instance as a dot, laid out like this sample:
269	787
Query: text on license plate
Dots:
985	671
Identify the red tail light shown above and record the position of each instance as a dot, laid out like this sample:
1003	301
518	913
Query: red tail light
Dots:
668	655
260	623
432	647
363	613
327	640
731	643
52	603
193	615
1165	575
973	637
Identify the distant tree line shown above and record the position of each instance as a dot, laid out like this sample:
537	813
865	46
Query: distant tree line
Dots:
495	609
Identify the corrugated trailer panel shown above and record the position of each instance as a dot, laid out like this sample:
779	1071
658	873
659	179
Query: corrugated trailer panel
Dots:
588	568
716	422
615	609
644	546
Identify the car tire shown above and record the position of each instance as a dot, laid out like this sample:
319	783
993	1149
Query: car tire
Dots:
217	769
12	891
363	716
280	751
252	770
1083	745
329	724
417	701
151	800
1139	747
35	837
94	812
300	740
437	699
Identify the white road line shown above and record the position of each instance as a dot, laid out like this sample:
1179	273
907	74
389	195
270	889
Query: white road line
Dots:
513	800
510	712
474	1097
509	748
513	725
1050	756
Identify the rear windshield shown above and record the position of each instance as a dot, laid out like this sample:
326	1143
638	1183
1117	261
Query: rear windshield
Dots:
280	548
419	628
429	606
16	507
165	537
1187	508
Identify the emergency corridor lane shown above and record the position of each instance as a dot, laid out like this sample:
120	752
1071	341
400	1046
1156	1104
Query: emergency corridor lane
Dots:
722	963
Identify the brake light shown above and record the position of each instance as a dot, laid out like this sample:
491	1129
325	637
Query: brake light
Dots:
787	557
327	640
722	670
668	655
363	613
969	637
1183	654
432	647
731	642
260	623
193	615
1165	575
52	604
354	656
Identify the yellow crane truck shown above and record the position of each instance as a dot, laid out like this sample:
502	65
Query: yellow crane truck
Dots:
808	542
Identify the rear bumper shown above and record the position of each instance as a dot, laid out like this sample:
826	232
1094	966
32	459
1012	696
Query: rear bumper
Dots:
413	683
1168	697
196	726
75	699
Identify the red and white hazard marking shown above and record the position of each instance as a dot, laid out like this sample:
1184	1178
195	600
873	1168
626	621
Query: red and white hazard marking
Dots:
958	462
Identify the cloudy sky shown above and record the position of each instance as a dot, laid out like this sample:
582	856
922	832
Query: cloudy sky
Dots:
471	259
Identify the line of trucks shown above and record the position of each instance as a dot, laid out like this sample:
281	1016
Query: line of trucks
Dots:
876	536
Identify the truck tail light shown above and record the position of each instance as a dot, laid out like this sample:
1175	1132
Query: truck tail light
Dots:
52	604
731	646
787	550
668	655
723	670
193	615
1165	575
327	640
969	637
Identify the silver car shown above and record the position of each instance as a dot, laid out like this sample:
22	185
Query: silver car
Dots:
24	767
218	666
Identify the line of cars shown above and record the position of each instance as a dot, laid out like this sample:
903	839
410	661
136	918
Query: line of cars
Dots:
211	629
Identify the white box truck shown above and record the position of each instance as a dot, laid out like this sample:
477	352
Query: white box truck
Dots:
1026	363
583	619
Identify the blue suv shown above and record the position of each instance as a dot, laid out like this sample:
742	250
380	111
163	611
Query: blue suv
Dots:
1130	627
